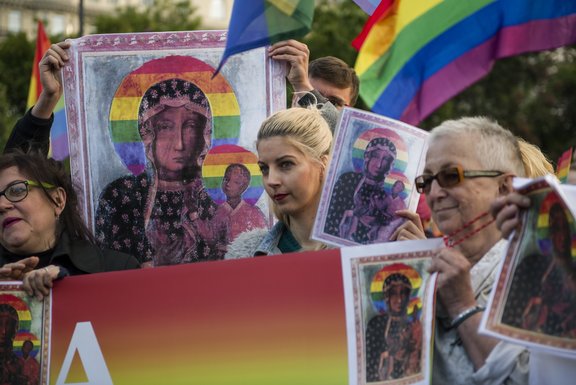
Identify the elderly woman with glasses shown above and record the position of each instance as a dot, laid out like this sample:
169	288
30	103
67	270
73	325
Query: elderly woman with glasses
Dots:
42	235
470	162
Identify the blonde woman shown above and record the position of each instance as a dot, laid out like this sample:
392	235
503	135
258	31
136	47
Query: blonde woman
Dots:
293	151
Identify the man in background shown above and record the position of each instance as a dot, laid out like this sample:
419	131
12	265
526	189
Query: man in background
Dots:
326	79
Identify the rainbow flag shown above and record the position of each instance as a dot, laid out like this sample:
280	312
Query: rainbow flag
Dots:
563	167
416	54
58	134
257	23
42	45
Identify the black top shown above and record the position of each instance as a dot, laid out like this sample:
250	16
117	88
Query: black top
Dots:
77	257
30	131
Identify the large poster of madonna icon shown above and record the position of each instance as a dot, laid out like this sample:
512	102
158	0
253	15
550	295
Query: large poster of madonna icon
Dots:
162	148
24	326
389	312
534	303
370	177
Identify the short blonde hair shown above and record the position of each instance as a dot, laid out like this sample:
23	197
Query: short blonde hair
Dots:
535	162
305	127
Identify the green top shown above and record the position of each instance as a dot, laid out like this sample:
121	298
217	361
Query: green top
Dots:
287	242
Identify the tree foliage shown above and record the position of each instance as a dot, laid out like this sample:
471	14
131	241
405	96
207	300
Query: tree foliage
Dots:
163	15
532	95
16	56
334	27
7	117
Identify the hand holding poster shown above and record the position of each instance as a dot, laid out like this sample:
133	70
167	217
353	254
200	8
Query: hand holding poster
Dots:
370	177
389	312
534	302
154	136
24	333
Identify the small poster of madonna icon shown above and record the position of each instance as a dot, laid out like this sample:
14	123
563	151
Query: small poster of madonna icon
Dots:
389	309
23	336
370	177
534	302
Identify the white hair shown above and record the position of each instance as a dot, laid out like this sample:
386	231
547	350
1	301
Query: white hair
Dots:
496	147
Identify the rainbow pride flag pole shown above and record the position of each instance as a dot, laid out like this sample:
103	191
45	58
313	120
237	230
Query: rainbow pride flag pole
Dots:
58	135
42	45
563	167
416	54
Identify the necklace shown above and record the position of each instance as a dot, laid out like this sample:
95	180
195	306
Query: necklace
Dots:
450	240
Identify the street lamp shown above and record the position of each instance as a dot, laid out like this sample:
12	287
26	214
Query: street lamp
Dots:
81	17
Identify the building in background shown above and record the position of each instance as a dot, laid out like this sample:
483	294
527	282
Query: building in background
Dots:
61	17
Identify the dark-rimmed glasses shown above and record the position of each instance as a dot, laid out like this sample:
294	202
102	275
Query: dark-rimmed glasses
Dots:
17	191
451	176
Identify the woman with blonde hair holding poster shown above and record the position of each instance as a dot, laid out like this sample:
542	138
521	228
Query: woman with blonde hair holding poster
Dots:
293	152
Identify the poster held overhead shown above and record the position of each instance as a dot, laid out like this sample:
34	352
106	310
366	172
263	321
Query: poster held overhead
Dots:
153	132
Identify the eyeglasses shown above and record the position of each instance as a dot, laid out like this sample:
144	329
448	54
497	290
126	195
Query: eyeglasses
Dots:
451	176
17	191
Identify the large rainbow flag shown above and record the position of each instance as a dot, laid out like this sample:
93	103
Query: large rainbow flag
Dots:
58	135
416	54
257	23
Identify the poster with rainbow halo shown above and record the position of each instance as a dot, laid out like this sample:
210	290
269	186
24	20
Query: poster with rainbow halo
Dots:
390	304
162	150
24	334
534	303
371	175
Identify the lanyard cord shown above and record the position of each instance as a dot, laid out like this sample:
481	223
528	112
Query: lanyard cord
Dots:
449	239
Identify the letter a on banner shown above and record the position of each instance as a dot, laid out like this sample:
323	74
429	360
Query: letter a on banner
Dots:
84	341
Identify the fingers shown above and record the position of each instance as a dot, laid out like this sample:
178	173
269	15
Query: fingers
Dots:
296	55
453	282
411	229
506	211
5	273
450	264
57	55
507	220
13	271
513	199
38	283
292	47
407	231
30	263
411	216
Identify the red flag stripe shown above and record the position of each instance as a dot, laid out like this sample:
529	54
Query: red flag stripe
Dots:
380	13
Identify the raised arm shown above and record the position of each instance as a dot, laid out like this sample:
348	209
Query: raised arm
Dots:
33	129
